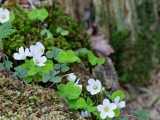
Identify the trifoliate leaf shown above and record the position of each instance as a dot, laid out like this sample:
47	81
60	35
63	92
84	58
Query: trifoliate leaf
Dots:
93	60
79	103
38	14
61	67
46	33
62	31
55	79
20	72
69	91
117	93
53	53
67	57
82	52
47	67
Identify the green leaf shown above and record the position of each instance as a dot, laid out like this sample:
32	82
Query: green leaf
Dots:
67	57
36	72
38	14
46	33
117	112
93	60
47	68
8	64
46	78
79	103
142	114
53	53
61	67
51	77
69	91
1	66
20	72
55	79
119	93
6	30
82	52
100	61
123	118
62	31
12	16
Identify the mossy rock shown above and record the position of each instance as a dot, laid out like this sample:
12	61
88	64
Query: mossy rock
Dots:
26	102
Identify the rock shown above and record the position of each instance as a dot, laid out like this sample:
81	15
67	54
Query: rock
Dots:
107	74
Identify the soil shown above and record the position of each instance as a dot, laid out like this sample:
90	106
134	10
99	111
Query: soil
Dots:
146	98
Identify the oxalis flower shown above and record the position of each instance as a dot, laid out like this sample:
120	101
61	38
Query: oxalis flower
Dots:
37	50
94	86
22	54
107	109
40	61
4	15
71	77
120	104
85	114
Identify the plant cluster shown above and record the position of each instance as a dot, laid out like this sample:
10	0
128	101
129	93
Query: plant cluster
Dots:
86	98
35	63
49	25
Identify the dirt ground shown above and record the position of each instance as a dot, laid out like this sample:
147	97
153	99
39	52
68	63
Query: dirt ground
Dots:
146	98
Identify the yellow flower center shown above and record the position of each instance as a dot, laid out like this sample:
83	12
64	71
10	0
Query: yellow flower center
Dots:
106	109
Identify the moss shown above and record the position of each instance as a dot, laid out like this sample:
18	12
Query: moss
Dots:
134	61
29	32
26	102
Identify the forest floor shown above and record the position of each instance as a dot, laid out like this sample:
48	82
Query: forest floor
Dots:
146	99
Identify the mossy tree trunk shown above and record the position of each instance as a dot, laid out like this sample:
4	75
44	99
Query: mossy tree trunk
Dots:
135	16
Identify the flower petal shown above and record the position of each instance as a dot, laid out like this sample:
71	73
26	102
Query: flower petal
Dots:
71	77
100	108
122	104
27	52
91	81
18	56
117	100
103	115
106	102
21	50
112	106
110	114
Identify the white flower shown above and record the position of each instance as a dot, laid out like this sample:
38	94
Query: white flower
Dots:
40	61
37	50
21	54
106	109
4	15
120	104
71	77
94	86
85	114
28	53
